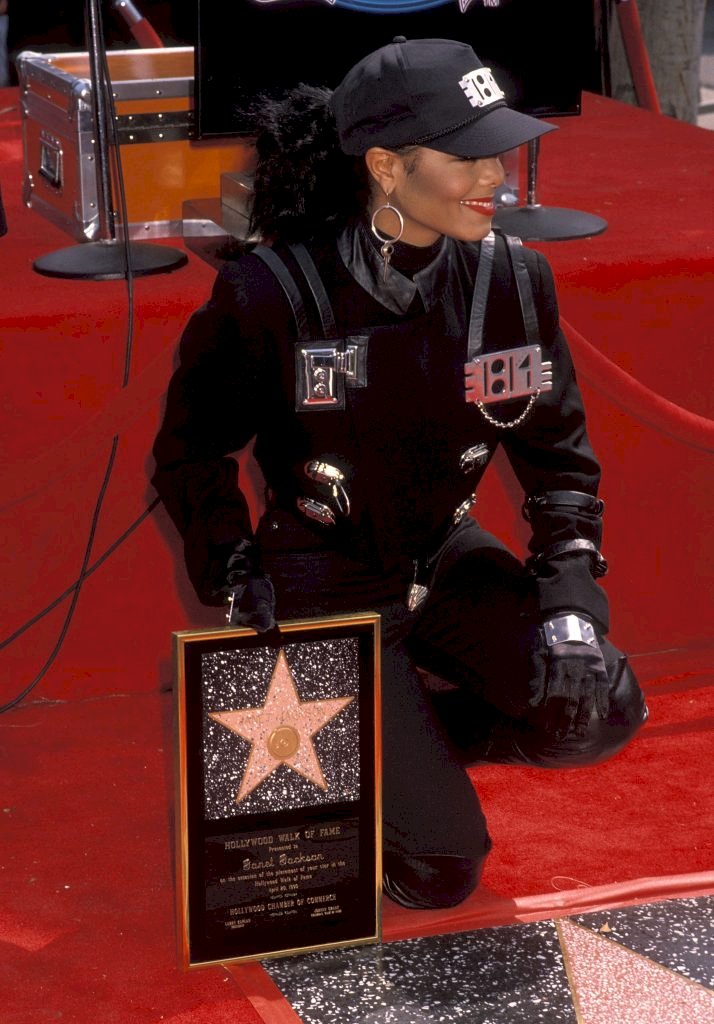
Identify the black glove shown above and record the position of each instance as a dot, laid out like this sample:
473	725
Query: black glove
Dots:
252	603
569	678
248	590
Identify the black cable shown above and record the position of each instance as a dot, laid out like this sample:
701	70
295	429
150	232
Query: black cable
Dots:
78	589
73	586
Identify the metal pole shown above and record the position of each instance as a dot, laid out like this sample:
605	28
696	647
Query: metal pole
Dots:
105	259
93	28
532	180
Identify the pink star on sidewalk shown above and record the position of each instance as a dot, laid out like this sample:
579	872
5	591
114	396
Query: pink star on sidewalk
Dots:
281	730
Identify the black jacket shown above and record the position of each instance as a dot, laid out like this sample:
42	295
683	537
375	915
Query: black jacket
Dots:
399	439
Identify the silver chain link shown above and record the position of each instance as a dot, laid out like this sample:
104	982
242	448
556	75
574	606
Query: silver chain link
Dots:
508	424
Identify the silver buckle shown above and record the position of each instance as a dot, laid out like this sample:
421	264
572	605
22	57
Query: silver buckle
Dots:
323	370
323	472
317	510
512	373
332	477
416	596
473	458
463	509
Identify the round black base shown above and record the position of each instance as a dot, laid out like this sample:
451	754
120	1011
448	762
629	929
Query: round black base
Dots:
106	261
548	223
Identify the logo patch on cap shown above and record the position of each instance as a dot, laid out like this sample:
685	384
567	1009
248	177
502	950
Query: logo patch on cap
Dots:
481	88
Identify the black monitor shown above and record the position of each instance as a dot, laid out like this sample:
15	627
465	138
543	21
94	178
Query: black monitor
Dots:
543	52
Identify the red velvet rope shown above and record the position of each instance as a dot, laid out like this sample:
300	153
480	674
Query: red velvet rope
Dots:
628	17
636	399
485	909
145	35
141	29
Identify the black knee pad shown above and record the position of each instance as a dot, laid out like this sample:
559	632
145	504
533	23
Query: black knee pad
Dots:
430	881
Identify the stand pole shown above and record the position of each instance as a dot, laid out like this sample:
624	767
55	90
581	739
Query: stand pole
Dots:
534	222
105	259
99	112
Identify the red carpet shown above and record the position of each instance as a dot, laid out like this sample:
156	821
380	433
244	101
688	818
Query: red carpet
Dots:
86	917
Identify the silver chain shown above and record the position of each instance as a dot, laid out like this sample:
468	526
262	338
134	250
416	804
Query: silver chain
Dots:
508	424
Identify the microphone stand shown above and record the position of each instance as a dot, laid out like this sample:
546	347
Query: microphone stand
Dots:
534	222
105	259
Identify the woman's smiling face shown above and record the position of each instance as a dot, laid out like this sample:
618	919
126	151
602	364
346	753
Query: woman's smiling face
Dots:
439	194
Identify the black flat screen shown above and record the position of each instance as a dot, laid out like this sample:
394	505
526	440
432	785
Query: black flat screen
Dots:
543	52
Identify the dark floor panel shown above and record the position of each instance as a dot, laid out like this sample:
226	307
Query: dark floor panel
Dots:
509	975
678	934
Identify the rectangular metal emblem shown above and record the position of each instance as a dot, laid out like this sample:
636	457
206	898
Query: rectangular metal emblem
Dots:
323	369
512	373
278	786
319	384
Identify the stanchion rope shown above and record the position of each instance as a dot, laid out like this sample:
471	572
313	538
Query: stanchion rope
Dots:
637	399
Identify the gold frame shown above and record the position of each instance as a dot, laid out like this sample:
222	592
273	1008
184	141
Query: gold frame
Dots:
299	630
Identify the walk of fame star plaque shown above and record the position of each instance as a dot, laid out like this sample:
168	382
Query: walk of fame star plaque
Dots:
278	789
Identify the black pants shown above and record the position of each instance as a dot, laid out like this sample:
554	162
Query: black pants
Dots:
455	691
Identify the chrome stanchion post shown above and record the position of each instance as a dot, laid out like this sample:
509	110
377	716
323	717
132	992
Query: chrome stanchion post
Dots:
534	222
105	259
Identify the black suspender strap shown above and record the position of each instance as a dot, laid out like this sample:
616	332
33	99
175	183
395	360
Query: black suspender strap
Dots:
480	296
305	261
481	289
525	288
311	274
292	292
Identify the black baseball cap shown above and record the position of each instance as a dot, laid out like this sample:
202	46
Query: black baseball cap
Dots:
428	92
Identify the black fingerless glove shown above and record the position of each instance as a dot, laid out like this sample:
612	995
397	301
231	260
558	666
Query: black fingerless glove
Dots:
569	678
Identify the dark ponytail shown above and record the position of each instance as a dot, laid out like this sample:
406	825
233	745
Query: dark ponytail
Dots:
304	183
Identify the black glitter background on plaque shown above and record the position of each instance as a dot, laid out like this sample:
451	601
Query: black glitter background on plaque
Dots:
233	680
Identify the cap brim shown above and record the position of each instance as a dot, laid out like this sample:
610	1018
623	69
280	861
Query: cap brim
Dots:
492	133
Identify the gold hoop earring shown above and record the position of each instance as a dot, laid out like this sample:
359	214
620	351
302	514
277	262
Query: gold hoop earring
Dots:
387	247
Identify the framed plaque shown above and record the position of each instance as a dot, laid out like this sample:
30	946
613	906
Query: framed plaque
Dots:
278	789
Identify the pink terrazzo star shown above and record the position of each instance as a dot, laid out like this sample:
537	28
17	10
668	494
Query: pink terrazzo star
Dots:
281	730
614	985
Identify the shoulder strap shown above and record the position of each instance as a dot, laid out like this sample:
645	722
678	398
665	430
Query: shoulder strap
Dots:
292	292
305	261
311	274
480	296
525	288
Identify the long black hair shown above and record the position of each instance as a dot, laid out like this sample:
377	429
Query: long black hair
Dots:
304	183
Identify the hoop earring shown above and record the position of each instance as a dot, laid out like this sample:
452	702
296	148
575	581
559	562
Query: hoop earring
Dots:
387	247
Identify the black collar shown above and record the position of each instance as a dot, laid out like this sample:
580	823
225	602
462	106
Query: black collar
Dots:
411	269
